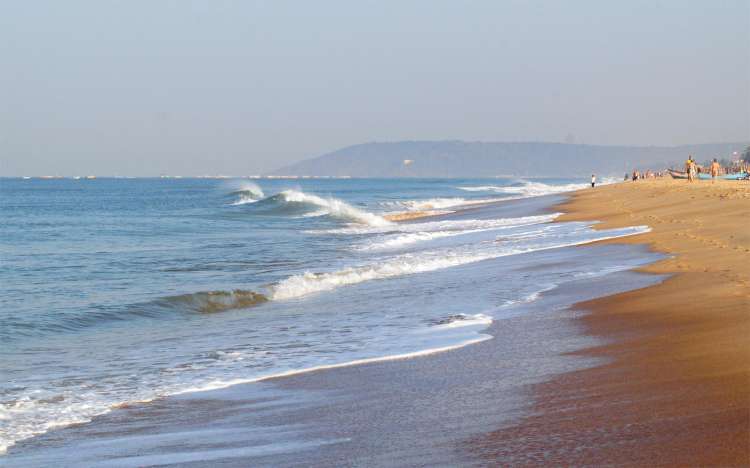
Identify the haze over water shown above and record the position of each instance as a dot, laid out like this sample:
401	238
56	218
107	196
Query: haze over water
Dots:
145	88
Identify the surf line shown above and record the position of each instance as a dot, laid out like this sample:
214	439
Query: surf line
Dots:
308	283
394	357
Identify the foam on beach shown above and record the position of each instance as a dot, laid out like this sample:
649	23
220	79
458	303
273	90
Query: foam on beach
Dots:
525	188
413	263
82	408
436	226
432	204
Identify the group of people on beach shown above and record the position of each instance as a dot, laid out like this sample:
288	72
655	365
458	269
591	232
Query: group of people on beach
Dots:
693	171
691	168
714	169
648	174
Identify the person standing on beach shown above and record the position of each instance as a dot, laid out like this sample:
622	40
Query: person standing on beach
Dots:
593	180
693	170
714	170
690	168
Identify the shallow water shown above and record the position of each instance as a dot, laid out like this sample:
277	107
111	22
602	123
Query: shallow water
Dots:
118	290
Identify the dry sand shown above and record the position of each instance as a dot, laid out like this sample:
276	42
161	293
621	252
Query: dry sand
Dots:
676	387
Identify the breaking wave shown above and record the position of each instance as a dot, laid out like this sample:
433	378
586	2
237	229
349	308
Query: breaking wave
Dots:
411	263
407	264
399	265
423	232
438	226
525	189
333	207
247	192
298	204
402	240
437	203
200	302
215	301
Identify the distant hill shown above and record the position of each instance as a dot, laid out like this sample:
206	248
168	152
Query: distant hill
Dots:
476	159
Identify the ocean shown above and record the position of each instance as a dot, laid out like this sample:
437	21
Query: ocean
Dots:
117	291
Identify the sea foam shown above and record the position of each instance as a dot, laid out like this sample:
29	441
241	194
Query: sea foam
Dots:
533	189
247	192
424	232
437	226
437	203
412	263
526	189
335	208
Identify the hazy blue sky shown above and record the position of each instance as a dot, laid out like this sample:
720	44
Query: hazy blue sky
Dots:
181	87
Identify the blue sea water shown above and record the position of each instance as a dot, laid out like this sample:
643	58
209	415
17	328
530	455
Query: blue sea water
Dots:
123	290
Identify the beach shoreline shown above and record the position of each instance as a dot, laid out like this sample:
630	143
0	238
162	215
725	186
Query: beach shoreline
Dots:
533	340
603	381
676	386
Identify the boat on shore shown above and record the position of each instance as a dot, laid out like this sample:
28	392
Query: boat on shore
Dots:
677	174
705	176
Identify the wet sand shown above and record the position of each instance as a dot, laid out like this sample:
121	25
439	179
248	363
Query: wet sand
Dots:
676	388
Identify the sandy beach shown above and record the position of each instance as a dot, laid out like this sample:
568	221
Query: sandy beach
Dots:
676	389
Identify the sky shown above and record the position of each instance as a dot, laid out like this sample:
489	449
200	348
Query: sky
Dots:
240	87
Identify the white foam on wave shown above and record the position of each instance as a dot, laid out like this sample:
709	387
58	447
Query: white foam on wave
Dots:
465	320
314	214
528	189
402	240
82	406
534	189
13	427
334	207
308	283
95	406
219	384
529	298
436	203
244	201
248	192
437	226
423	232
412	263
